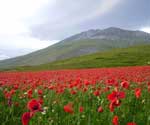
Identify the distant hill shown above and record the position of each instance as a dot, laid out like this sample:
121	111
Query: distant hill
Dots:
87	42
132	56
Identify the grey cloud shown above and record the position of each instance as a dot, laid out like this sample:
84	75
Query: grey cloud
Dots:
132	14
69	17
16	45
66	17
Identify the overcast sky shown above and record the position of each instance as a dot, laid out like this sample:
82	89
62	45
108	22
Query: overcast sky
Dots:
29	25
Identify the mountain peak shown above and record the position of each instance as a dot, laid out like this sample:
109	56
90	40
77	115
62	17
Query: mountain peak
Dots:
113	28
111	33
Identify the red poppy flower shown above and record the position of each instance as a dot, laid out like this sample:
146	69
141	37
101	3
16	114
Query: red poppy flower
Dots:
100	109
85	89
125	84
131	123
73	92
86	82
34	105
114	103
111	107
137	92
26	118
81	109
116	95
115	120
12	92
96	93
29	92
51	87
40	92
16	86
68	108
7	95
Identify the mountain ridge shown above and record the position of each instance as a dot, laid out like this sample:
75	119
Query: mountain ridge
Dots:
87	42
111	30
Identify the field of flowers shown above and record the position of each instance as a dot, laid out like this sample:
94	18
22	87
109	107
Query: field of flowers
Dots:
106	96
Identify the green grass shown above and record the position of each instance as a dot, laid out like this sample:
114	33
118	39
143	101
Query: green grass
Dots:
132	56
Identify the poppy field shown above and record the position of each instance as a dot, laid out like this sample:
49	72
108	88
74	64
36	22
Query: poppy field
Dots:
104	96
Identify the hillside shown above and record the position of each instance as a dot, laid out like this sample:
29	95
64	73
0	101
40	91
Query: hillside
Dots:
132	56
84	43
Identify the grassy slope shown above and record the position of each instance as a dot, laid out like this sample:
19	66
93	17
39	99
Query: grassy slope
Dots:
64	50
132	56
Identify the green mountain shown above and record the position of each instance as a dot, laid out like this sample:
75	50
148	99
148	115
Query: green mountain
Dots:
131	56
84	43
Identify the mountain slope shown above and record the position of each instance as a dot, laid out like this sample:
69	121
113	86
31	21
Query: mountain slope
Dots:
84	43
132	56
